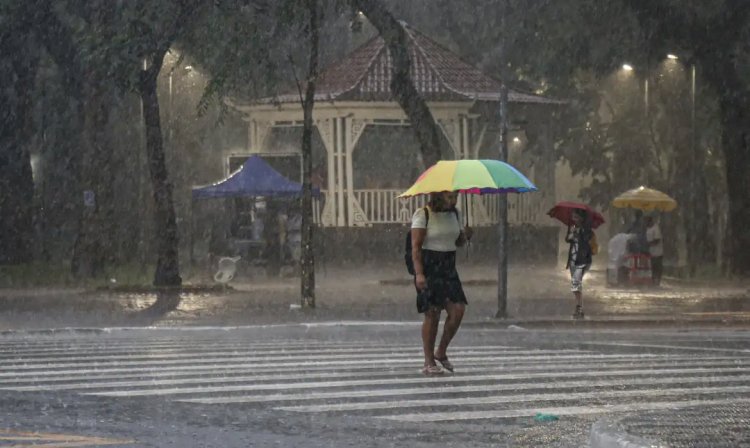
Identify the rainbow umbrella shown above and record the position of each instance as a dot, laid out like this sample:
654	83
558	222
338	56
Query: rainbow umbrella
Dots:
471	177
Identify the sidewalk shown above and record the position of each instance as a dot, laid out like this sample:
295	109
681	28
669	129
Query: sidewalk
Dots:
538	296
718	426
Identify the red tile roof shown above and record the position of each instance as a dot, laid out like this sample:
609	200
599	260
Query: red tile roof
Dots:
439	75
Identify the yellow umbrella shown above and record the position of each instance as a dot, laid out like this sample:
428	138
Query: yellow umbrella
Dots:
646	199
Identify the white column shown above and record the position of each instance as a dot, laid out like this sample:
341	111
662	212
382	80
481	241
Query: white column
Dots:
325	128
449	130
257	133
353	130
340	181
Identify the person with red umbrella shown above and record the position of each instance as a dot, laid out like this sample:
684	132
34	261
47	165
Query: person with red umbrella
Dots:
580	220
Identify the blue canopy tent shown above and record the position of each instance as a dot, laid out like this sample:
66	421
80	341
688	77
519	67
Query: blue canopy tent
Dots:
254	178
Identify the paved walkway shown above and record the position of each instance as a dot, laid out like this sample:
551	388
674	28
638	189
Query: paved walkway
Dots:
724	425
537	294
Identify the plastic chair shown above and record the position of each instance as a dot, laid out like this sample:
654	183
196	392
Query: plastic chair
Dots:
227	269
639	269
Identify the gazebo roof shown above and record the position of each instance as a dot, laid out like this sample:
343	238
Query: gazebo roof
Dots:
439	75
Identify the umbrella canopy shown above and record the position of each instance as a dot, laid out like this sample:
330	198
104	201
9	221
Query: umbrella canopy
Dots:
646	199
472	177
562	211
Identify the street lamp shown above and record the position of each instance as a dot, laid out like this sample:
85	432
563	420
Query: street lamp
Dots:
629	68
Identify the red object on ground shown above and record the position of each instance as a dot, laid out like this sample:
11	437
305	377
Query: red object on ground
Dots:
639	269
562	211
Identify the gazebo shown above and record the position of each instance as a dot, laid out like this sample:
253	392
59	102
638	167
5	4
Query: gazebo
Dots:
354	94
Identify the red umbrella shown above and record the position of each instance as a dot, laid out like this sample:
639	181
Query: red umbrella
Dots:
563	210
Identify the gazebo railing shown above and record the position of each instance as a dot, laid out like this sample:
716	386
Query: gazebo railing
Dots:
530	208
383	206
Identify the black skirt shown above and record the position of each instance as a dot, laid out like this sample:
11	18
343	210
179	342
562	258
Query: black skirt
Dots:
443	283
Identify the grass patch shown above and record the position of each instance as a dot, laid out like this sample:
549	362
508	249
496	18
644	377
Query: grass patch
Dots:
36	274
48	274
128	278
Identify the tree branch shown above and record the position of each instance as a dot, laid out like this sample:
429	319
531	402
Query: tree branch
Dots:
402	86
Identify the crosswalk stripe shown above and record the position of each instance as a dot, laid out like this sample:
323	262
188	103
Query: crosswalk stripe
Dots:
437	390
568	410
101	359
294	362
150	352
410	380
91	382
63	347
268	367
476	366
376	378
670	347
497	399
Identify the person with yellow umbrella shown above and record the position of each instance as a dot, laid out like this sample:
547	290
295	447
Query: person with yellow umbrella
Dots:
436	232
649	236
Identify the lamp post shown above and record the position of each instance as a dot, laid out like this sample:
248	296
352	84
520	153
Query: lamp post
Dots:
628	68
502	221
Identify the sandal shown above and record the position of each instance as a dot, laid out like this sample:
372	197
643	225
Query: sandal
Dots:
578	314
432	370
447	365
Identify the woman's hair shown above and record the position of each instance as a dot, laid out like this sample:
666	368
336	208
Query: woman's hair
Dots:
585	218
437	202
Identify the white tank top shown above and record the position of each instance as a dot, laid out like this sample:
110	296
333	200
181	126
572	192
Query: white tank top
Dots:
443	229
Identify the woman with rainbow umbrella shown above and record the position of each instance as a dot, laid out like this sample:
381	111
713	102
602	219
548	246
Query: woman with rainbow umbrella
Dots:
436	233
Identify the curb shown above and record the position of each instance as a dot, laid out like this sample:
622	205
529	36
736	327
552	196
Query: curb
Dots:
606	322
607	433
509	325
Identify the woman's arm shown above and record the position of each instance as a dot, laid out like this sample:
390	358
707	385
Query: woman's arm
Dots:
569	235
417	239
464	237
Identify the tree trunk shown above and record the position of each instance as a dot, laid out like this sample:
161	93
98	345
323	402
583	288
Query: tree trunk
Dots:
167	265
307	261
422	122
16	182
735	120
724	76
93	249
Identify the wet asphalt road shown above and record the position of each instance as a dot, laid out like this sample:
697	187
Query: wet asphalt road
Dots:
318	385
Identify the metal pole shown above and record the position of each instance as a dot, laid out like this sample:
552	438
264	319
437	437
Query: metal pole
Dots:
692	227
502	224
692	110
502	221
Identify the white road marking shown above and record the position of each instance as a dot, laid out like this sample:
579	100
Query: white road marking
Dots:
91	382
414	380
671	347
498	399
279	355
292	362
437	390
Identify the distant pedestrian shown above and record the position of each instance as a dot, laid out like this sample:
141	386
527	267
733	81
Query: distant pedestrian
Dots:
579	255
436	232
639	243
656	249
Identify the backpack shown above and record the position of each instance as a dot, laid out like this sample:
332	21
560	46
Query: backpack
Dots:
407	246
594	244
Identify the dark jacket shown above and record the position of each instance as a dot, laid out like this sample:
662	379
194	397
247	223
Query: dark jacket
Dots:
583	257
